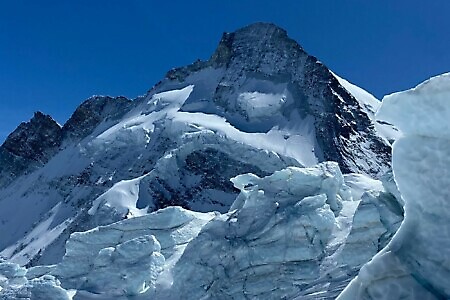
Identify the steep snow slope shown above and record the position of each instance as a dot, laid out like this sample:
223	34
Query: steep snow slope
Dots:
414	265
370	106
259	105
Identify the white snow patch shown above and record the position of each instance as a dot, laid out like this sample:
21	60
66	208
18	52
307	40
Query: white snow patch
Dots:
298	146
42	235
122	197
257	104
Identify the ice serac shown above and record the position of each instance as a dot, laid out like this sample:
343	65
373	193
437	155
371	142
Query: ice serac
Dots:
278	240
15	285
260	80
29	147
128	257
414	265
297	233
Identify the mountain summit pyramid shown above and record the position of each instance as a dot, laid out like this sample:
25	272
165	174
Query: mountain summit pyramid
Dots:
258	78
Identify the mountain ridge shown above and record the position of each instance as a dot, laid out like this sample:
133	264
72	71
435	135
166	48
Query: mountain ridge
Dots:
256	108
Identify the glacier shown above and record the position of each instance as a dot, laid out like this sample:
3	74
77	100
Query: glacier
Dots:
297	233
414	265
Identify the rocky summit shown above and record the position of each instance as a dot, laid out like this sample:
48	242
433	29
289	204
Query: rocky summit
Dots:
260	61
29	147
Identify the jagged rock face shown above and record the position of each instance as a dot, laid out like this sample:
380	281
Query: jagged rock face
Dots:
28	147
261	59
91	113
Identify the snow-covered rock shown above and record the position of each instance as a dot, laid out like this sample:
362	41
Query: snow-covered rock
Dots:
93	112
414	265
370	106
262	81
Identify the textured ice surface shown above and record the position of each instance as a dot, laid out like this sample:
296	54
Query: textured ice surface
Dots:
15	285
126	258
377	217
415	263
296	233
280	239
278	227
421	111
129	268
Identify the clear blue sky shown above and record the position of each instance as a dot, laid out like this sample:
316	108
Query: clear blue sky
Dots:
55	54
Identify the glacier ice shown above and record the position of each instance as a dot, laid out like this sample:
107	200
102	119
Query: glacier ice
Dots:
129	268
299	232
376	219
15	285
278	240
126	258
414	265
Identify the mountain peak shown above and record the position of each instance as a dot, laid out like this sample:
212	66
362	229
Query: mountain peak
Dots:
39	118
29	146
262	30
255	41
39	134
92	112
260	62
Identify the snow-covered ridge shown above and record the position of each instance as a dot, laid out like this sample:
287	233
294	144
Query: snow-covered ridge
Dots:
370	106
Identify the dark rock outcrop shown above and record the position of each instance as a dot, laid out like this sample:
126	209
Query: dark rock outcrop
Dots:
29	147
91	113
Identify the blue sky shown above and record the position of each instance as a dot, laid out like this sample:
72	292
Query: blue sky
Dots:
55	54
